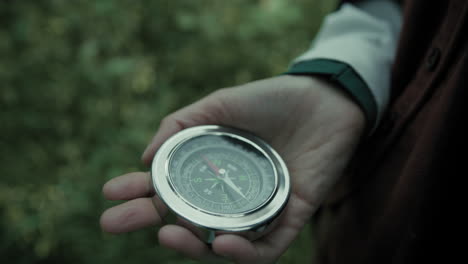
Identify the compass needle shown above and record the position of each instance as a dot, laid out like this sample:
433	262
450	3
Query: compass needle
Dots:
231	184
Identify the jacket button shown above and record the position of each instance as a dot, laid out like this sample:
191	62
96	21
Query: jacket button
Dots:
433	59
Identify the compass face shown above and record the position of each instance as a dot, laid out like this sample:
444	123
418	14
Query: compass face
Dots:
222	174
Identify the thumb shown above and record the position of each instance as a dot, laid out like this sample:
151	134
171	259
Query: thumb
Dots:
210	110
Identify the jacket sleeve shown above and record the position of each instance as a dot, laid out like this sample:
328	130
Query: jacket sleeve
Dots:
356	47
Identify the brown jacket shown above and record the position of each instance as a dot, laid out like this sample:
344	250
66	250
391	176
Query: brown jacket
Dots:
396	203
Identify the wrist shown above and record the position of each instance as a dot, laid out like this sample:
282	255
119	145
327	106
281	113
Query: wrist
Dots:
334	103
344	77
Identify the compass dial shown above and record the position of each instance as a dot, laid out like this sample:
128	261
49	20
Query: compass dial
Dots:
222	175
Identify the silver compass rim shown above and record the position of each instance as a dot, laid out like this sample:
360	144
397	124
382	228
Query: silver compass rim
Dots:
224	222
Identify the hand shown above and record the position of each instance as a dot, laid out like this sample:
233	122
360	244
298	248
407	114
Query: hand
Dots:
314	126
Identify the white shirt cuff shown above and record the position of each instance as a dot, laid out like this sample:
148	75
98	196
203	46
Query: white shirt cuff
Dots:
365	36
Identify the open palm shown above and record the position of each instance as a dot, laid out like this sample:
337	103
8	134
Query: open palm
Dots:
314	126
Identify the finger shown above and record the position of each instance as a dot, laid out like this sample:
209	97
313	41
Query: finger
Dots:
130	216
184	241
208	110
236	248
129	186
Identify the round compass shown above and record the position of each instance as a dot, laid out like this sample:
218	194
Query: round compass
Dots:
221	179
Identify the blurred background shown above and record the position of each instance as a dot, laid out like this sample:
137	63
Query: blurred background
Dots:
83	86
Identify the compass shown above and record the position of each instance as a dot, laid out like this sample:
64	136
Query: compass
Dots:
221	180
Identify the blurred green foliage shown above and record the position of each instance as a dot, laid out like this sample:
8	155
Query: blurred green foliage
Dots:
84	85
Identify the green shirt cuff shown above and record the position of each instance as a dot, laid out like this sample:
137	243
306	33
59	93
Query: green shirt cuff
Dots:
344	75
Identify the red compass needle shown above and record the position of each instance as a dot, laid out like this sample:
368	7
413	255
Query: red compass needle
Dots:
212	166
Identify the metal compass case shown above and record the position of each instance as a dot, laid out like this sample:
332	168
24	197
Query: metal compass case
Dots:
221	180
